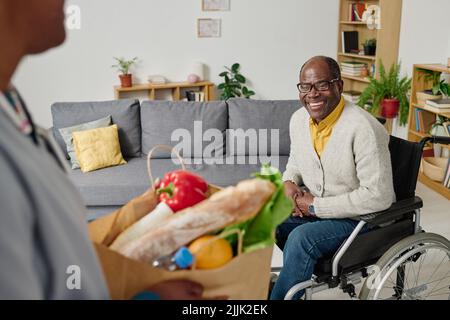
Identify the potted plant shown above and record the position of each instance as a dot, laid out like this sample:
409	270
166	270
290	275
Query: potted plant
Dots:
234	84
438	87
370	47
123	66
389	91
438	129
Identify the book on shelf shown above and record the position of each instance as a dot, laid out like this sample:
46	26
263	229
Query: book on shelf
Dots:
434	109
441	103
351	74
352	64
350	42
416	119
359	68
351	69
356	10
195	96
424	120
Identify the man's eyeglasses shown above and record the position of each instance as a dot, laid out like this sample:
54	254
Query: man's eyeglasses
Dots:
319	86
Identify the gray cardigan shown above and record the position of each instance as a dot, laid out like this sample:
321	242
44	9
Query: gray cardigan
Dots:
353	176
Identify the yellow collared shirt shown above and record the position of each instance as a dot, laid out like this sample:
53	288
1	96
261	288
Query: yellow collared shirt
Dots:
321	132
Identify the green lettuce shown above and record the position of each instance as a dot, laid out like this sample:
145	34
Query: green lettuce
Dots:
259	232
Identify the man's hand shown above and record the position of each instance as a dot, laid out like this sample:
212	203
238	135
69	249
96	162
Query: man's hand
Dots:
290	189
178	290
302	202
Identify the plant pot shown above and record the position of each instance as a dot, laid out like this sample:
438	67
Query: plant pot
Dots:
422	96
126	80
389	108
370	50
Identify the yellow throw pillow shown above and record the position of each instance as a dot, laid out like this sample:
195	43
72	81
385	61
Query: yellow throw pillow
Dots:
98	148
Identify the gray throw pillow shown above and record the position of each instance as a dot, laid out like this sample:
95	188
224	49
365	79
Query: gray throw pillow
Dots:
66	134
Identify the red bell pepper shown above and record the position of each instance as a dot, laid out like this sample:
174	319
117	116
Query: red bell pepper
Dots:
181	189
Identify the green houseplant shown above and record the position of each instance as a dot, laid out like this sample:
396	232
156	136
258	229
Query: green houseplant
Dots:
233	84
438	87
123	66
389	92
370	47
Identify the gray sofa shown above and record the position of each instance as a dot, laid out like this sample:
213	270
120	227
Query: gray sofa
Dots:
221	148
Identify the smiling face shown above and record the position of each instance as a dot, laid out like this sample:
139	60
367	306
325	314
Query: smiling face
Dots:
319	103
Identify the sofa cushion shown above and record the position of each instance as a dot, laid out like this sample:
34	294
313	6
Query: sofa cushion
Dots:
98	148
124	113
162	119
253	115
66	134
115	186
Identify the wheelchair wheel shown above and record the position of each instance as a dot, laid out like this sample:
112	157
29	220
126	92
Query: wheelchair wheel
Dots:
415	268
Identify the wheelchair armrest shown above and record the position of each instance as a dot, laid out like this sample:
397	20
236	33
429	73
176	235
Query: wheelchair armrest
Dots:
396	210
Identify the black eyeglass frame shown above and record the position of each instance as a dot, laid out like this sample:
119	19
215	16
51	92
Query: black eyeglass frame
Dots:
328	82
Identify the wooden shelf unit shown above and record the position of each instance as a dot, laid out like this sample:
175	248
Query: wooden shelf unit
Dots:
205	86
387	38
356	78
351	22
419	84
427	108
356	56
436	186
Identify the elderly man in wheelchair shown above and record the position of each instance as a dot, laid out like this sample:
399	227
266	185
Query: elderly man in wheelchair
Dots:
356	215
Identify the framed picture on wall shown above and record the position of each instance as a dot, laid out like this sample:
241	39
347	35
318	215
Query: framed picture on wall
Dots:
208	28
215	5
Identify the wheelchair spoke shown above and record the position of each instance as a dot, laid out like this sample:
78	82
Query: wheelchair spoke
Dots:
440	280
422	258
443	258
416	268
410	283
405	281
446	294
435	291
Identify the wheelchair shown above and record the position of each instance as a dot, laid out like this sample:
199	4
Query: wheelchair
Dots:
396	258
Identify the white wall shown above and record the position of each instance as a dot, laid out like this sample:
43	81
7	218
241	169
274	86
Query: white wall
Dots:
271	39
425	33
448	52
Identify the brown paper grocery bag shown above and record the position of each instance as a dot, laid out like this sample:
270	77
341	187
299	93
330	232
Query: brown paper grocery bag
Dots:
246	276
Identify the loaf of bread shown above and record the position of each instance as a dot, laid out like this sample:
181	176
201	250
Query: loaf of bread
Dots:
226	207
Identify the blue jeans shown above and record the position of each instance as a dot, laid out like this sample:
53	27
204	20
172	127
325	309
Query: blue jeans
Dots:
304	241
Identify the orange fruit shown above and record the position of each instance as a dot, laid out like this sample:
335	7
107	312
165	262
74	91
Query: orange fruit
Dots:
210	252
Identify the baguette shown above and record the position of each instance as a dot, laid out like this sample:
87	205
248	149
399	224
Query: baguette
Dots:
151	220
228	206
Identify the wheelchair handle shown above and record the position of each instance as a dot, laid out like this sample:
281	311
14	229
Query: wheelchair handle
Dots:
436	139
